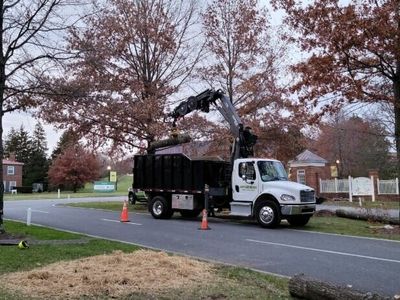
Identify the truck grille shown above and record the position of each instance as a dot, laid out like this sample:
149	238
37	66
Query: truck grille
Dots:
307	196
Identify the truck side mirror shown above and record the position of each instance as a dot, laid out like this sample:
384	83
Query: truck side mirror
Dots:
244	177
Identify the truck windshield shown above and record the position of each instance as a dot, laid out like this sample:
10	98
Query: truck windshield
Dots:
271	170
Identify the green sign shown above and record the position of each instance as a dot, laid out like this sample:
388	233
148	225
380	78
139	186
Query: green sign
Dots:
103	186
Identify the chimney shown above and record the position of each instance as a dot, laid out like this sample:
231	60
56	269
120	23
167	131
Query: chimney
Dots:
11	156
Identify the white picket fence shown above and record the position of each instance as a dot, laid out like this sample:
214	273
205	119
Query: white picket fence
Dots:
388	187
334	186
361	186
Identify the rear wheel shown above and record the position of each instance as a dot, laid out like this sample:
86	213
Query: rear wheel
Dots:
132	198
160	208
190	213
267	214
298	220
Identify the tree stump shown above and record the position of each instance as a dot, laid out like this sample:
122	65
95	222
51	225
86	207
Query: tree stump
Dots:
304	287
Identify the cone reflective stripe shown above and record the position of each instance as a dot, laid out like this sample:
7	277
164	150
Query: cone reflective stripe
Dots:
23	245
204	222
124	213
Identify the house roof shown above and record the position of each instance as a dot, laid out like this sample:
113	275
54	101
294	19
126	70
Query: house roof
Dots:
308	157
12	162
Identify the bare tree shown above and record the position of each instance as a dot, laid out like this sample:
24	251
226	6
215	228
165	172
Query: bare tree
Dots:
30	43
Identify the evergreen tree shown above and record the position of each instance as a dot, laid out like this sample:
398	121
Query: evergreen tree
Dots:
38	165
68	138
10	143
18	143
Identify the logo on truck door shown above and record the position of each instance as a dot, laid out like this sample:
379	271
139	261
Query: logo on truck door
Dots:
249	188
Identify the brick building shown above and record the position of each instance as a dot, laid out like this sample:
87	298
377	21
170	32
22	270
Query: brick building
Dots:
308	168
12	174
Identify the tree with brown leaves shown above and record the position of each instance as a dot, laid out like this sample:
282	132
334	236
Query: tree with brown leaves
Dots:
30	42
131	56
354	54
73	168
245	60
359	145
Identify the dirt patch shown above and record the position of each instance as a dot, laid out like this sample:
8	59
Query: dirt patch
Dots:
8	236
388	230
114	275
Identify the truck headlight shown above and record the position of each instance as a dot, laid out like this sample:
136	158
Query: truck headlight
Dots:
286	197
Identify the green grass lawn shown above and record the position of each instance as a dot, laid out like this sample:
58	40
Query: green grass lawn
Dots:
124	182
366	204
231	283
333	224
12	259
111	205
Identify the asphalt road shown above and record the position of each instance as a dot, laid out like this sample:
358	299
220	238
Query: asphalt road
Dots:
365	264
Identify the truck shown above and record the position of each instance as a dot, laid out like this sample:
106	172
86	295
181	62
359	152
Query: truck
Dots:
244	186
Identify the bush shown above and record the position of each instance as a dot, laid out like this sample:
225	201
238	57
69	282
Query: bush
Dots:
24	189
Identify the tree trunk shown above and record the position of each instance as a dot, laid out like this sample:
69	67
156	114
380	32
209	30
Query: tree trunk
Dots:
367	216
397	123
2	230
2	85
179	139
301	286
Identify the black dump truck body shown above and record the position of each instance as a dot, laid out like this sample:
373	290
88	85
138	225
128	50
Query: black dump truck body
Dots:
178	173
174	182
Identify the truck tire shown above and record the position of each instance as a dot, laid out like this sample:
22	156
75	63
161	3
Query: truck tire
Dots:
298	220
267	214
190	214
160	208
132	198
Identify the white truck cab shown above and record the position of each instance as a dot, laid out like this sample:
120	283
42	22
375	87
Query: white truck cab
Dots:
260	188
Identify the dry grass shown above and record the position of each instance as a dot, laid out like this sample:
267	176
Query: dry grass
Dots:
115	275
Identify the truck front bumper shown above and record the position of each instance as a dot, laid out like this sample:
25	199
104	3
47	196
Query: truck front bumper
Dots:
297	209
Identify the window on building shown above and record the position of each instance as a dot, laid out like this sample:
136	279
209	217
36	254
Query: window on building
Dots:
10	170
301	176
12	185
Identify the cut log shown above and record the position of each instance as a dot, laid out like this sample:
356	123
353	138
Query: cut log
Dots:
9	242
304	287
367	216
180	139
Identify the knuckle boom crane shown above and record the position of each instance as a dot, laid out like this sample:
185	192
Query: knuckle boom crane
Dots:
244	139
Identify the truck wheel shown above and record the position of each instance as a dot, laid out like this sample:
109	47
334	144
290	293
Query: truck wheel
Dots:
159	208
132	198
267	214
298	220
189	214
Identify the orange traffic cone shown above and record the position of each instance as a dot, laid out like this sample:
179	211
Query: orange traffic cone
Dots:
124	213
204	222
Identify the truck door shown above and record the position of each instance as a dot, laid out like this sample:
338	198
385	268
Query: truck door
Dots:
244	181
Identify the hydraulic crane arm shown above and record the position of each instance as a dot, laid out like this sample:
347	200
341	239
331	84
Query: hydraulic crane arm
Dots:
244	139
